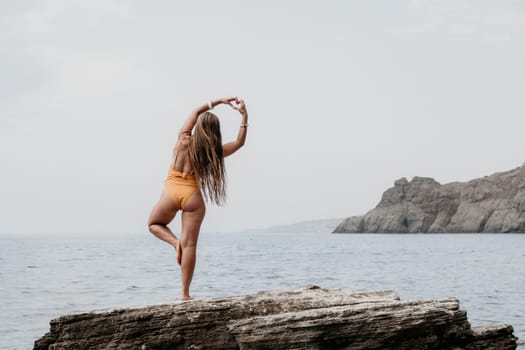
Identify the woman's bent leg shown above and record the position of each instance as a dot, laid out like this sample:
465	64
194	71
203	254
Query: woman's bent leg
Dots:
192	217
161	215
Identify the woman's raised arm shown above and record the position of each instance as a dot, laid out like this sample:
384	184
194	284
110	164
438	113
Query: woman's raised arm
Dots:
192	118
232	147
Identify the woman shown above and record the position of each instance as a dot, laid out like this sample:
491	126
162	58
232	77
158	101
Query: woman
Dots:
196	173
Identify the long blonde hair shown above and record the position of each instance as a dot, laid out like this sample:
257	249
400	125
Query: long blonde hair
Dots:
208	160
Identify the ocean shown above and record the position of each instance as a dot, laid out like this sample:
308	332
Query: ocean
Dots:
43	277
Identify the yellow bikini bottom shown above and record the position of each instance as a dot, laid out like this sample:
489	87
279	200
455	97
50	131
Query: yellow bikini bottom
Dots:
180	186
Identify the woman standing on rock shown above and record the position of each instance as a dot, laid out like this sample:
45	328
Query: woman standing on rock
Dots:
196	173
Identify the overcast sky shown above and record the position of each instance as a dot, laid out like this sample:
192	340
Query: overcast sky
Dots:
344	97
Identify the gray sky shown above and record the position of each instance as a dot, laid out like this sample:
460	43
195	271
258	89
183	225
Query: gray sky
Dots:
344	98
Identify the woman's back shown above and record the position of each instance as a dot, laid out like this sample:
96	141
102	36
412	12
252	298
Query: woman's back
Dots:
181	160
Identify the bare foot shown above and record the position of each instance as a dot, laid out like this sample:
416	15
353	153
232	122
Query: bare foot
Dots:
186	298
178	250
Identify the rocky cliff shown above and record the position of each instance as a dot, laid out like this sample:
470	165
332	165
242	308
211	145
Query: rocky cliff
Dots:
310	318
494	203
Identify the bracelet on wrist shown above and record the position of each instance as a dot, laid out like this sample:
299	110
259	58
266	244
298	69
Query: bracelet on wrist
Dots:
245	125
210	105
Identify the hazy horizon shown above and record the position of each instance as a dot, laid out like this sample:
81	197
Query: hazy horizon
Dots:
344	98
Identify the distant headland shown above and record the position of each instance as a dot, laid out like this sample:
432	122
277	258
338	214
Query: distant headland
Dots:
492	204
310	226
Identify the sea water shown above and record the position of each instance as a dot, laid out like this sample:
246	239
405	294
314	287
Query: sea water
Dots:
43	277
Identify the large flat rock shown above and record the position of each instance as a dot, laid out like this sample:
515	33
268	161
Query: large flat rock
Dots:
309	318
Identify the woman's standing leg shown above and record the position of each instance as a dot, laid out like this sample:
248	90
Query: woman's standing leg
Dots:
192	217
161	215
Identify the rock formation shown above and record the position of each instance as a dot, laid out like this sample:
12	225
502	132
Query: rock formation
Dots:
493	203
311	318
